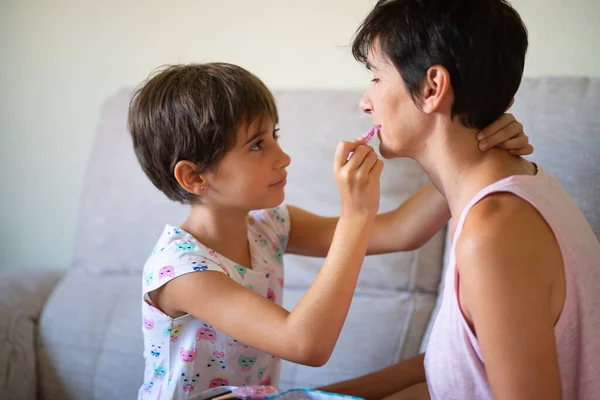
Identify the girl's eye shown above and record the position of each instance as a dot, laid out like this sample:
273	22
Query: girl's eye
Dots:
257	146
375	80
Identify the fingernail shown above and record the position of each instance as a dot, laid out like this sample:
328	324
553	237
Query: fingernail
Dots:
480	136
483	146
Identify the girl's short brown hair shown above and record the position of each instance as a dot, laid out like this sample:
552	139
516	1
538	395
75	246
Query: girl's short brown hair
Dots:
191	112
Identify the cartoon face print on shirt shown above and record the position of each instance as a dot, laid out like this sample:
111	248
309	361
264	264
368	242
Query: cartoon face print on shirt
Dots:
266	381
160	372
148	278
166	272
219	381
218	359
149	324
261	241
187	356
213	254
278	255
283	241
241	270
261	373
155	348
246	363
198	266
276	216
148	387
185	246
189	382
206	333
175	332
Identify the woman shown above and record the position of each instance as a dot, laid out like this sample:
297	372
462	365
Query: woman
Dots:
520	317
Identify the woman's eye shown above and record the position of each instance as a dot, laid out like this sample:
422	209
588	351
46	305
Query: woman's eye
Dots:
375	80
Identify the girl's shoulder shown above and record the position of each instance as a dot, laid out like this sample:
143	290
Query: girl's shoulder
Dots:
270	221
177	253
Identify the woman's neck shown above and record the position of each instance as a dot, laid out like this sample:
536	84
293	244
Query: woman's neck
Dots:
459	169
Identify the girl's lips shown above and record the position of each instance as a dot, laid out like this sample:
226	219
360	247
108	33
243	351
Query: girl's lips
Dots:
280	183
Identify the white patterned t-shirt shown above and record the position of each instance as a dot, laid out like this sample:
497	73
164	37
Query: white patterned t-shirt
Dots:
184	355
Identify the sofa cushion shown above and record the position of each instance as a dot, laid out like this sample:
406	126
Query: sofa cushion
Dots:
23	294
382	327
90	338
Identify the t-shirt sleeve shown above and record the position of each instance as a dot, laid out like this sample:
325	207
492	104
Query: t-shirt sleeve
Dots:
179	257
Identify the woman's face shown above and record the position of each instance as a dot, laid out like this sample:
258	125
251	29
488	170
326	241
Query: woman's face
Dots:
390	105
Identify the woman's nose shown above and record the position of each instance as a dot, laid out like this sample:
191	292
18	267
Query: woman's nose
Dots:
365	104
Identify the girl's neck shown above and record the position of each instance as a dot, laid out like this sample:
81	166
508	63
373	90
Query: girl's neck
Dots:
222	230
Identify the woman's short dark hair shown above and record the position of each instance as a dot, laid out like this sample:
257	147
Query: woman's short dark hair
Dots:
482	44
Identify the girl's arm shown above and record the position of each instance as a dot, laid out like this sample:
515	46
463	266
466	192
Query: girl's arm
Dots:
511	290
308	333
415	221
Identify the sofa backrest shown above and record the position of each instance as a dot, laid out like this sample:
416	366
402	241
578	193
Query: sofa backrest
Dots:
122	213
562	118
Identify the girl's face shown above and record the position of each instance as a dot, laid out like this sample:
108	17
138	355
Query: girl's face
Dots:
252	175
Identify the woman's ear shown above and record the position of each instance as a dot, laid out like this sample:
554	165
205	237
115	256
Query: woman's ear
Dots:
435	90
187	175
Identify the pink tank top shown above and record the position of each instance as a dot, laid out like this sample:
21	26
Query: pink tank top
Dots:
453	362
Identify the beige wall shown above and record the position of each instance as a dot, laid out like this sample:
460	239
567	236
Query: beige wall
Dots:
61	58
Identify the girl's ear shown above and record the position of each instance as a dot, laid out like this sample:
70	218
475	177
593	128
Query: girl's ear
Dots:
189	178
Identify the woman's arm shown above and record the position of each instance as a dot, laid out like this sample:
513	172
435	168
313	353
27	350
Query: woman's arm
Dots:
406	228
511	291
383	383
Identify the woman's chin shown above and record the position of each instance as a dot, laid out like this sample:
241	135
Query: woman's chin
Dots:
386	152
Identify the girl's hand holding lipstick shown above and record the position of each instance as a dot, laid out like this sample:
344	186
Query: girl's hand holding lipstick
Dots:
357	170
366	138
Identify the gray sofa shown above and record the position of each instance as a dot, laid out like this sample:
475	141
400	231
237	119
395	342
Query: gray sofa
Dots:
76	334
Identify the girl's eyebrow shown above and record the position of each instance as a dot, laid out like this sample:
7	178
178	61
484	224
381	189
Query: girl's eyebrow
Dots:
255	136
